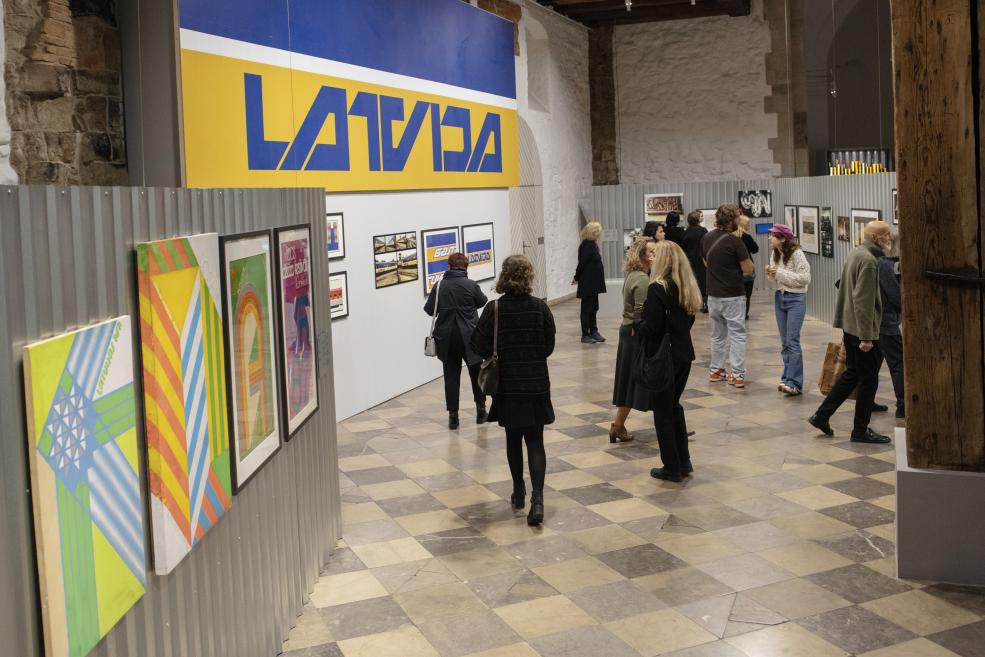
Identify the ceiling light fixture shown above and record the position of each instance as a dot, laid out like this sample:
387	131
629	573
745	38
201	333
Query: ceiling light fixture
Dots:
629	5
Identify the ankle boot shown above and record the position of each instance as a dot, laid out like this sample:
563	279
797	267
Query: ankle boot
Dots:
453	419
480	414
519	493
536	515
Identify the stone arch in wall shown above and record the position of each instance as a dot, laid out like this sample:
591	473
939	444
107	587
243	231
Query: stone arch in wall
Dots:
527	209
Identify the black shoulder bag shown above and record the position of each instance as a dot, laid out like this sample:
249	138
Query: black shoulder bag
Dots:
489	370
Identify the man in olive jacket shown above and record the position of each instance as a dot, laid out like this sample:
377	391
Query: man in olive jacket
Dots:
859	314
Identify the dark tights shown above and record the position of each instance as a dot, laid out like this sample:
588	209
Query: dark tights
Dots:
536	457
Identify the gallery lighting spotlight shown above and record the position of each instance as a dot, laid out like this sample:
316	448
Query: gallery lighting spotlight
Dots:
629	5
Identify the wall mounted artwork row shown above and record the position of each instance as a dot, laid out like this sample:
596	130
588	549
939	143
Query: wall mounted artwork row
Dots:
227	341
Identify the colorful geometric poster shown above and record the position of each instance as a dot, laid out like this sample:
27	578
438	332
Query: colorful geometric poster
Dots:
338	295
335	235
250	344
185	408
297	316
85	481
478	242
437	245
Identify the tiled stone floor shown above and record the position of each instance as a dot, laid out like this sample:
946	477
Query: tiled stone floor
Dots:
781	543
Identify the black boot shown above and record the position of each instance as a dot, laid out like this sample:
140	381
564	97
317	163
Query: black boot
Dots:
536	515
480	414
452	419
517	499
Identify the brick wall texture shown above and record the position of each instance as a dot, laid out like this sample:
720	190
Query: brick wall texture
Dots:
64	92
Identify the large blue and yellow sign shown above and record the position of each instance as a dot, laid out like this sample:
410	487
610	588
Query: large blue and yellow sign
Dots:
347	94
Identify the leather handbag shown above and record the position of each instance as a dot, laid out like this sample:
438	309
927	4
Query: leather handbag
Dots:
430	344
656	373
489	370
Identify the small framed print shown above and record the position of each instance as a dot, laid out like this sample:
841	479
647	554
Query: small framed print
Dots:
394	260
477	242
895	208
860	217
708	218
338	295
298	356
437	244
251	353
790	218
808	229
335	235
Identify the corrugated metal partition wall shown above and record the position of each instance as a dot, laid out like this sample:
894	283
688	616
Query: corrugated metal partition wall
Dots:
621	206
67	260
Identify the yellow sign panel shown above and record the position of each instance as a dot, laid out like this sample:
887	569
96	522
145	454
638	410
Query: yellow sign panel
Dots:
248	124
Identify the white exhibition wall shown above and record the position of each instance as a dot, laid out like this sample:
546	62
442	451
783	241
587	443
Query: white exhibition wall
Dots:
379	348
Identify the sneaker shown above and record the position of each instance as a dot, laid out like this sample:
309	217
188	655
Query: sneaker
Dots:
595	335
716	375
792	391
879	408
737	380
587	339
871	436
820	425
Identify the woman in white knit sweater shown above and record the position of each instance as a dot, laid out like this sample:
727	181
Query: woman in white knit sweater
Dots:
791	272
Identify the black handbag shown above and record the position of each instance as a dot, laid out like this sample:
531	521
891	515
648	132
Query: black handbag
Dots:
489	370
656	373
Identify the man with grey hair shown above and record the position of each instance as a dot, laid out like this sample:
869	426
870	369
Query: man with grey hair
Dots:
858	313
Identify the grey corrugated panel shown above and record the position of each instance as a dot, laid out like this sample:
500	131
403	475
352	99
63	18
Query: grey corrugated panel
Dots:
66	260
621	206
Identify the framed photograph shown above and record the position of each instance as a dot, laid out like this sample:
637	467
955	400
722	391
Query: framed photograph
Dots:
477	241
338	295
860	217
758	203
335	235
436	245
180	296
656	206
708	218
85	481
790	218
394	261
251	361
843	229
895	208
808	228
827	234
630	235
295	299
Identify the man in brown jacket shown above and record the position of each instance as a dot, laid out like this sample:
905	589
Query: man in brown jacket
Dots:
859	313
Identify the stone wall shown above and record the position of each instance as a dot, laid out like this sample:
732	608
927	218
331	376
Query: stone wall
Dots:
690	99
605	166
64	94
7	175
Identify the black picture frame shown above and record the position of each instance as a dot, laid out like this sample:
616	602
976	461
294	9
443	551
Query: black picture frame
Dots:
341	216
387	250
344	275
237	485
750	209
281	337
462	247
422	260
795	229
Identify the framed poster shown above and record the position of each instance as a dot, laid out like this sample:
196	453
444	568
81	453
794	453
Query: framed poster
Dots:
437	244
85	483
656	206
394	260
843	229
335	235
338	295
295	299
808	229
790	218
860	217
182	347
895	208
758	203
708	218
827	234
630	235
254	408
477	240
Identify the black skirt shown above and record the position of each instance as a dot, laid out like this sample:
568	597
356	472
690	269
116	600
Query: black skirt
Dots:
521	412
625	392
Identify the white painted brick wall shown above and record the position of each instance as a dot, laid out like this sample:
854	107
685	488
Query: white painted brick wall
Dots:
7	175
689	97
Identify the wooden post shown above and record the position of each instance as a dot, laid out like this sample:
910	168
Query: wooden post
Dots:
939	160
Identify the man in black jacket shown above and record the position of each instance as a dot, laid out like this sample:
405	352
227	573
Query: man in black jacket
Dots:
890	335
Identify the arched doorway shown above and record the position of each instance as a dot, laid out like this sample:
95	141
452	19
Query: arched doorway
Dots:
527	209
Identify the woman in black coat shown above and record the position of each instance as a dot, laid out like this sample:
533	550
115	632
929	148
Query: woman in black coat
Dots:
522	402
748	280
671	301
590	278
458	301
691	243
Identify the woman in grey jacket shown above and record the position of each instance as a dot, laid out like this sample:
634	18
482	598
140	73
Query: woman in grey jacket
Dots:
458	300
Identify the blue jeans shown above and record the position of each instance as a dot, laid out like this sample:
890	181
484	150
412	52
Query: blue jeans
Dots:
728	323
790	310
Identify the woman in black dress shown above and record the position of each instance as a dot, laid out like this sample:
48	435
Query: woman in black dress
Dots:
458	304
671	301
590	278
522	403
691	243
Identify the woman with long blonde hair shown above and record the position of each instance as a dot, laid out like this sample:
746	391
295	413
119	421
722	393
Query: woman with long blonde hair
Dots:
626	395
590	279
672	299
748	280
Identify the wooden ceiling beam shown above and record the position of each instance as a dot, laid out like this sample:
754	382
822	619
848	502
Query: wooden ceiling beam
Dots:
600	12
